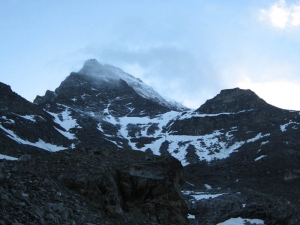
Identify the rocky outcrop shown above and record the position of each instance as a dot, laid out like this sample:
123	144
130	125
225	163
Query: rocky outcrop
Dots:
153	189
95	186
233	100
244	204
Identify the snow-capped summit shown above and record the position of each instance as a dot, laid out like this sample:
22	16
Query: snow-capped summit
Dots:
110	74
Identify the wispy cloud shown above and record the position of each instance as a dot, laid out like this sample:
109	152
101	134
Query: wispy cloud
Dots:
175	73
281	15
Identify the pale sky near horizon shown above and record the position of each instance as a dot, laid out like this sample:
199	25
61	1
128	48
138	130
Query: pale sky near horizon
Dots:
186	50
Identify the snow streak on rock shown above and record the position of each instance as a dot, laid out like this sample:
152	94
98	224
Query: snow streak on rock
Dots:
39	144
7	157
65	120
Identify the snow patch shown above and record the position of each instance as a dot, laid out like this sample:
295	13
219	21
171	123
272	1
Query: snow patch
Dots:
205	196
99	127
208	187
284	126
68	135
260	157
28	117
264	142
190	183
241	221
200	195
7	157
8	120
67	122
48	146
190	216
257	137
113	142
191	113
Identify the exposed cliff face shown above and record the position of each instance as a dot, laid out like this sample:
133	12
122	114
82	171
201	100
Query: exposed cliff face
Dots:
97	186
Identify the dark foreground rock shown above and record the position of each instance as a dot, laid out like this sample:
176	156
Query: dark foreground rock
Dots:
226	204
92	187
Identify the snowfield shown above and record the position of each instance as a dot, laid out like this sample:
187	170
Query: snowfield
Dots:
217	145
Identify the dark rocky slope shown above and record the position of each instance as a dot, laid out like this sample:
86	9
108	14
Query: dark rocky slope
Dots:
94	186
269	153
264	170
243	204
23	124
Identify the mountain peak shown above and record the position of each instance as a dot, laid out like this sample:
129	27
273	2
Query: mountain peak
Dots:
92	65
110	73
4	88
93	68
233	100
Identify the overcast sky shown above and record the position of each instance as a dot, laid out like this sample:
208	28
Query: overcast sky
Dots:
186	50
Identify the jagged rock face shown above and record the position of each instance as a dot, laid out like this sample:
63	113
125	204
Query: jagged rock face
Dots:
95	98
105	186
97	87
26	127
156	189
94	95
233	100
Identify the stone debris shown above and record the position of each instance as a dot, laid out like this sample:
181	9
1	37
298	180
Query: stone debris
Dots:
77	187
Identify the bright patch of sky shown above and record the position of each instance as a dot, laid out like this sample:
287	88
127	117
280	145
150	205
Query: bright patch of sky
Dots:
185	50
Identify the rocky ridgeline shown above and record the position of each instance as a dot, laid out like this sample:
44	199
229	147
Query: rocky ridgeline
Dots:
23	123
233	100
95	186
235	142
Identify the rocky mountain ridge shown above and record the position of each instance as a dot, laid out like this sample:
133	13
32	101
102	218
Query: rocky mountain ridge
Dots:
234	141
